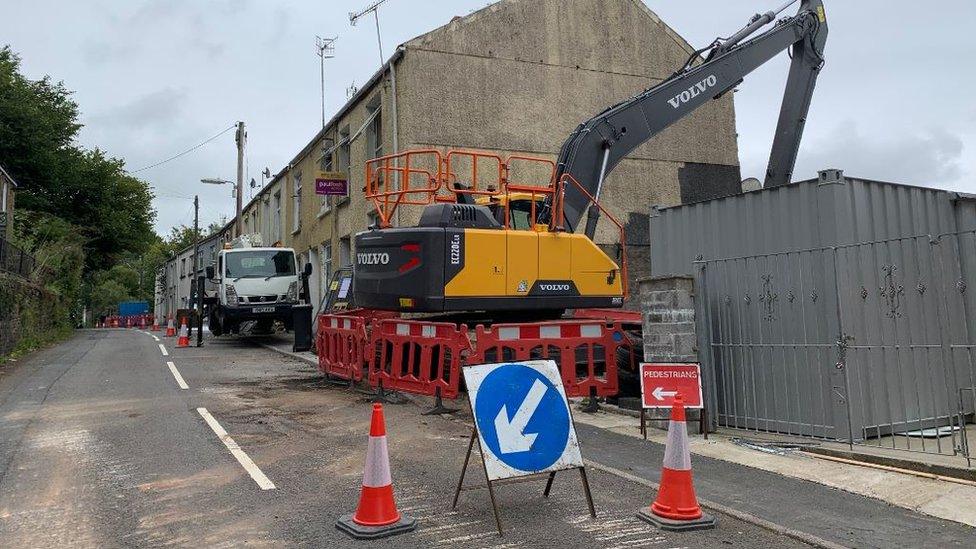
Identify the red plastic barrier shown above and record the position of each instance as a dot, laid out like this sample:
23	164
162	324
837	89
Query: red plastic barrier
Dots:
585	351
342	346
418	357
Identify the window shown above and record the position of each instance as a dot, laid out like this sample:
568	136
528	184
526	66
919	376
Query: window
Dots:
374	136
183	268
326	165
345	252
276	229
374	132
520	212
260	264
326	256
296	214
343	152
266	226
372	219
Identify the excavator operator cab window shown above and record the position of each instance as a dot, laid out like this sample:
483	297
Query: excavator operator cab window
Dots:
520	212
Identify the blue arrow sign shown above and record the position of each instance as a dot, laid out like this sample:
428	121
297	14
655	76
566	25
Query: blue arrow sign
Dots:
522	417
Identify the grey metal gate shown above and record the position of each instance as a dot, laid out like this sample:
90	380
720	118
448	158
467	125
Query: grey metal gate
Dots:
867	343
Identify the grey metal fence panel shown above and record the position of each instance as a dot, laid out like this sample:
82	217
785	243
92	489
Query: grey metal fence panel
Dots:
843	310
771	341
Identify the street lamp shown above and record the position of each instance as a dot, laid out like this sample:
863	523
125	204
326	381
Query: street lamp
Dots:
218	181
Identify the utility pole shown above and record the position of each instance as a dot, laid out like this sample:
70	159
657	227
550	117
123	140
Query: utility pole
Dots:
325	49
241	139
195	285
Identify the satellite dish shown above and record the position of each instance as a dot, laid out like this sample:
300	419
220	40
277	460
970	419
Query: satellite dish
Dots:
751	184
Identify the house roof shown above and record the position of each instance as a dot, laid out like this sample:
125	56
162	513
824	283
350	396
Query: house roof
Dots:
7	176
397	54
355	99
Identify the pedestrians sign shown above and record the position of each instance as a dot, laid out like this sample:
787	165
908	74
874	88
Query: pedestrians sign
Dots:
523	425
523	418
660	383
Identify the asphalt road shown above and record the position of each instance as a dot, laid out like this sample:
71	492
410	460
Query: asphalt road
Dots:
100	447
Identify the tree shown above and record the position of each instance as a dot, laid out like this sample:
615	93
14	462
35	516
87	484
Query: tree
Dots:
38	124
58	247
78	211
107	295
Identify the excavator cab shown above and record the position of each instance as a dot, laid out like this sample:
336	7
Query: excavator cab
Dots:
518	208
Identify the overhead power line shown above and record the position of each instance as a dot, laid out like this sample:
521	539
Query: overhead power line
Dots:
191	149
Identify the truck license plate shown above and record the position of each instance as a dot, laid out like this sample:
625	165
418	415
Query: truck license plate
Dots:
264	309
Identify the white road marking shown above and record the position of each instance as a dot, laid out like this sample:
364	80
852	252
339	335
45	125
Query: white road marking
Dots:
252	469
176	374
163	350
154	337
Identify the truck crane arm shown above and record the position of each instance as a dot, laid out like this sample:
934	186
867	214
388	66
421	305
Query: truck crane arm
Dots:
596	146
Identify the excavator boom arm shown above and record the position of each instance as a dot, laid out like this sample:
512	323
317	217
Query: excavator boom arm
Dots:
599	144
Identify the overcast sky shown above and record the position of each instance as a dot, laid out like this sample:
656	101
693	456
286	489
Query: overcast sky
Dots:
894	102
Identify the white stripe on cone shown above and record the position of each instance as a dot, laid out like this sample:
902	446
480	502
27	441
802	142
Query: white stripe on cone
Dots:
677	453
376	473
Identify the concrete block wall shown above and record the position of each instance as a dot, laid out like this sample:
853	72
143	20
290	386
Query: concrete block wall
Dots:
668	316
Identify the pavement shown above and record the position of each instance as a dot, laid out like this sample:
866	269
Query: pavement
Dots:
101	447
950	499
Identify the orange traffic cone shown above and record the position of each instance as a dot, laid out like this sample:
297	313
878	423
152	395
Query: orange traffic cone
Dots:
676	507
155	325
377	515
170	329
184	339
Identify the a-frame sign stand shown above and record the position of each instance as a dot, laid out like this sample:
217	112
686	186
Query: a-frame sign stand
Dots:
526	478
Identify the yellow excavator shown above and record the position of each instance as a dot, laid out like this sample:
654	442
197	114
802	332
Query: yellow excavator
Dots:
503	246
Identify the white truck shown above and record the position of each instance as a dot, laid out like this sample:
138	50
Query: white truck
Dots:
252	283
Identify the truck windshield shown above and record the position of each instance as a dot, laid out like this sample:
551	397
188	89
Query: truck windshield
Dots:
260	264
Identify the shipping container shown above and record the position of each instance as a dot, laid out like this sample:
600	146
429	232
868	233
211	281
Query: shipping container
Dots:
837	307
133	308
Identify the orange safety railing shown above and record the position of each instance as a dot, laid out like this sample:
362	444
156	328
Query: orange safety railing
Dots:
392	180
426	176
533	190
495	183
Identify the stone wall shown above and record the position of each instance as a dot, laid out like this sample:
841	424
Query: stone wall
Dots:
29	314
668	315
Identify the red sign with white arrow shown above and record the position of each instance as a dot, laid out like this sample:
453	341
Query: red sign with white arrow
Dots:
660	383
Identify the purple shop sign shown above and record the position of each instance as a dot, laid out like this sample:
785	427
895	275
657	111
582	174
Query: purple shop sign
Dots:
331	186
